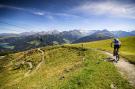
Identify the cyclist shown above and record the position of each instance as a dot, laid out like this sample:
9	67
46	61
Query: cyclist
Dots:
117	45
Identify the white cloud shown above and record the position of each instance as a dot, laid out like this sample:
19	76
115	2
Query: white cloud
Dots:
108	8
39	13
23	9
67	15
11	7
49	15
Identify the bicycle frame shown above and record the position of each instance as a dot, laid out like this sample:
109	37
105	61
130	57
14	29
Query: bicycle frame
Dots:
116	56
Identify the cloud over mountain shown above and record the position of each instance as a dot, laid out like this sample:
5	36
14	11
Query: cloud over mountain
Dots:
108	8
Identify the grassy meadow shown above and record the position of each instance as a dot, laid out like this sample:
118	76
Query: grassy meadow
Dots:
64	67
127	49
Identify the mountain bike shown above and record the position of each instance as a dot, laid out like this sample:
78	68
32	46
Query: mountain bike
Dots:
117	57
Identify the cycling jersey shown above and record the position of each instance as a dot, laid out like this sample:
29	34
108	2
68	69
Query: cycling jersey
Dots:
116	42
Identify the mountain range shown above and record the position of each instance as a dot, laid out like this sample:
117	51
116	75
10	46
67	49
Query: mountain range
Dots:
10	42
98	35
123	33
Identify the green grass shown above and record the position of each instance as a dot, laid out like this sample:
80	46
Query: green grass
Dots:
63	68
127	49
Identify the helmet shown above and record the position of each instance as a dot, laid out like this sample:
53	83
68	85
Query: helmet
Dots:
116	39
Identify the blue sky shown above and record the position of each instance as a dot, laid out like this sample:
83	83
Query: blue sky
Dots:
43	15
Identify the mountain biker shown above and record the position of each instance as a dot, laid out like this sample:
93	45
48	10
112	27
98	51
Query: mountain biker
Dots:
117	45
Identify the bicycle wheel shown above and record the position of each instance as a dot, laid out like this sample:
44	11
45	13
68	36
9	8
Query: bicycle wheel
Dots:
117	57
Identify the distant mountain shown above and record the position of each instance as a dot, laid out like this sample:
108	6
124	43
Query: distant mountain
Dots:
3	35
71	35
123	33
133	32
51	32
28	42
27	33
98	35
88	32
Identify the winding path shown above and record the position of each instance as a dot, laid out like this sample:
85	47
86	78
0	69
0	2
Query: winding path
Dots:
30	71
39	64
125	68
42	59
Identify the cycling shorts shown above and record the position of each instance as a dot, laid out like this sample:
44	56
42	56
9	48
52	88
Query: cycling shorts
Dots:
116	46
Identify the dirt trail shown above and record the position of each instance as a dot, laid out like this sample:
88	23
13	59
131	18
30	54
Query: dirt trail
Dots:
29	72
125	68
42	53
42	59
39	64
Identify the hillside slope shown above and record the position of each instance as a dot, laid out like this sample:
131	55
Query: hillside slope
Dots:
127	49
63	67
